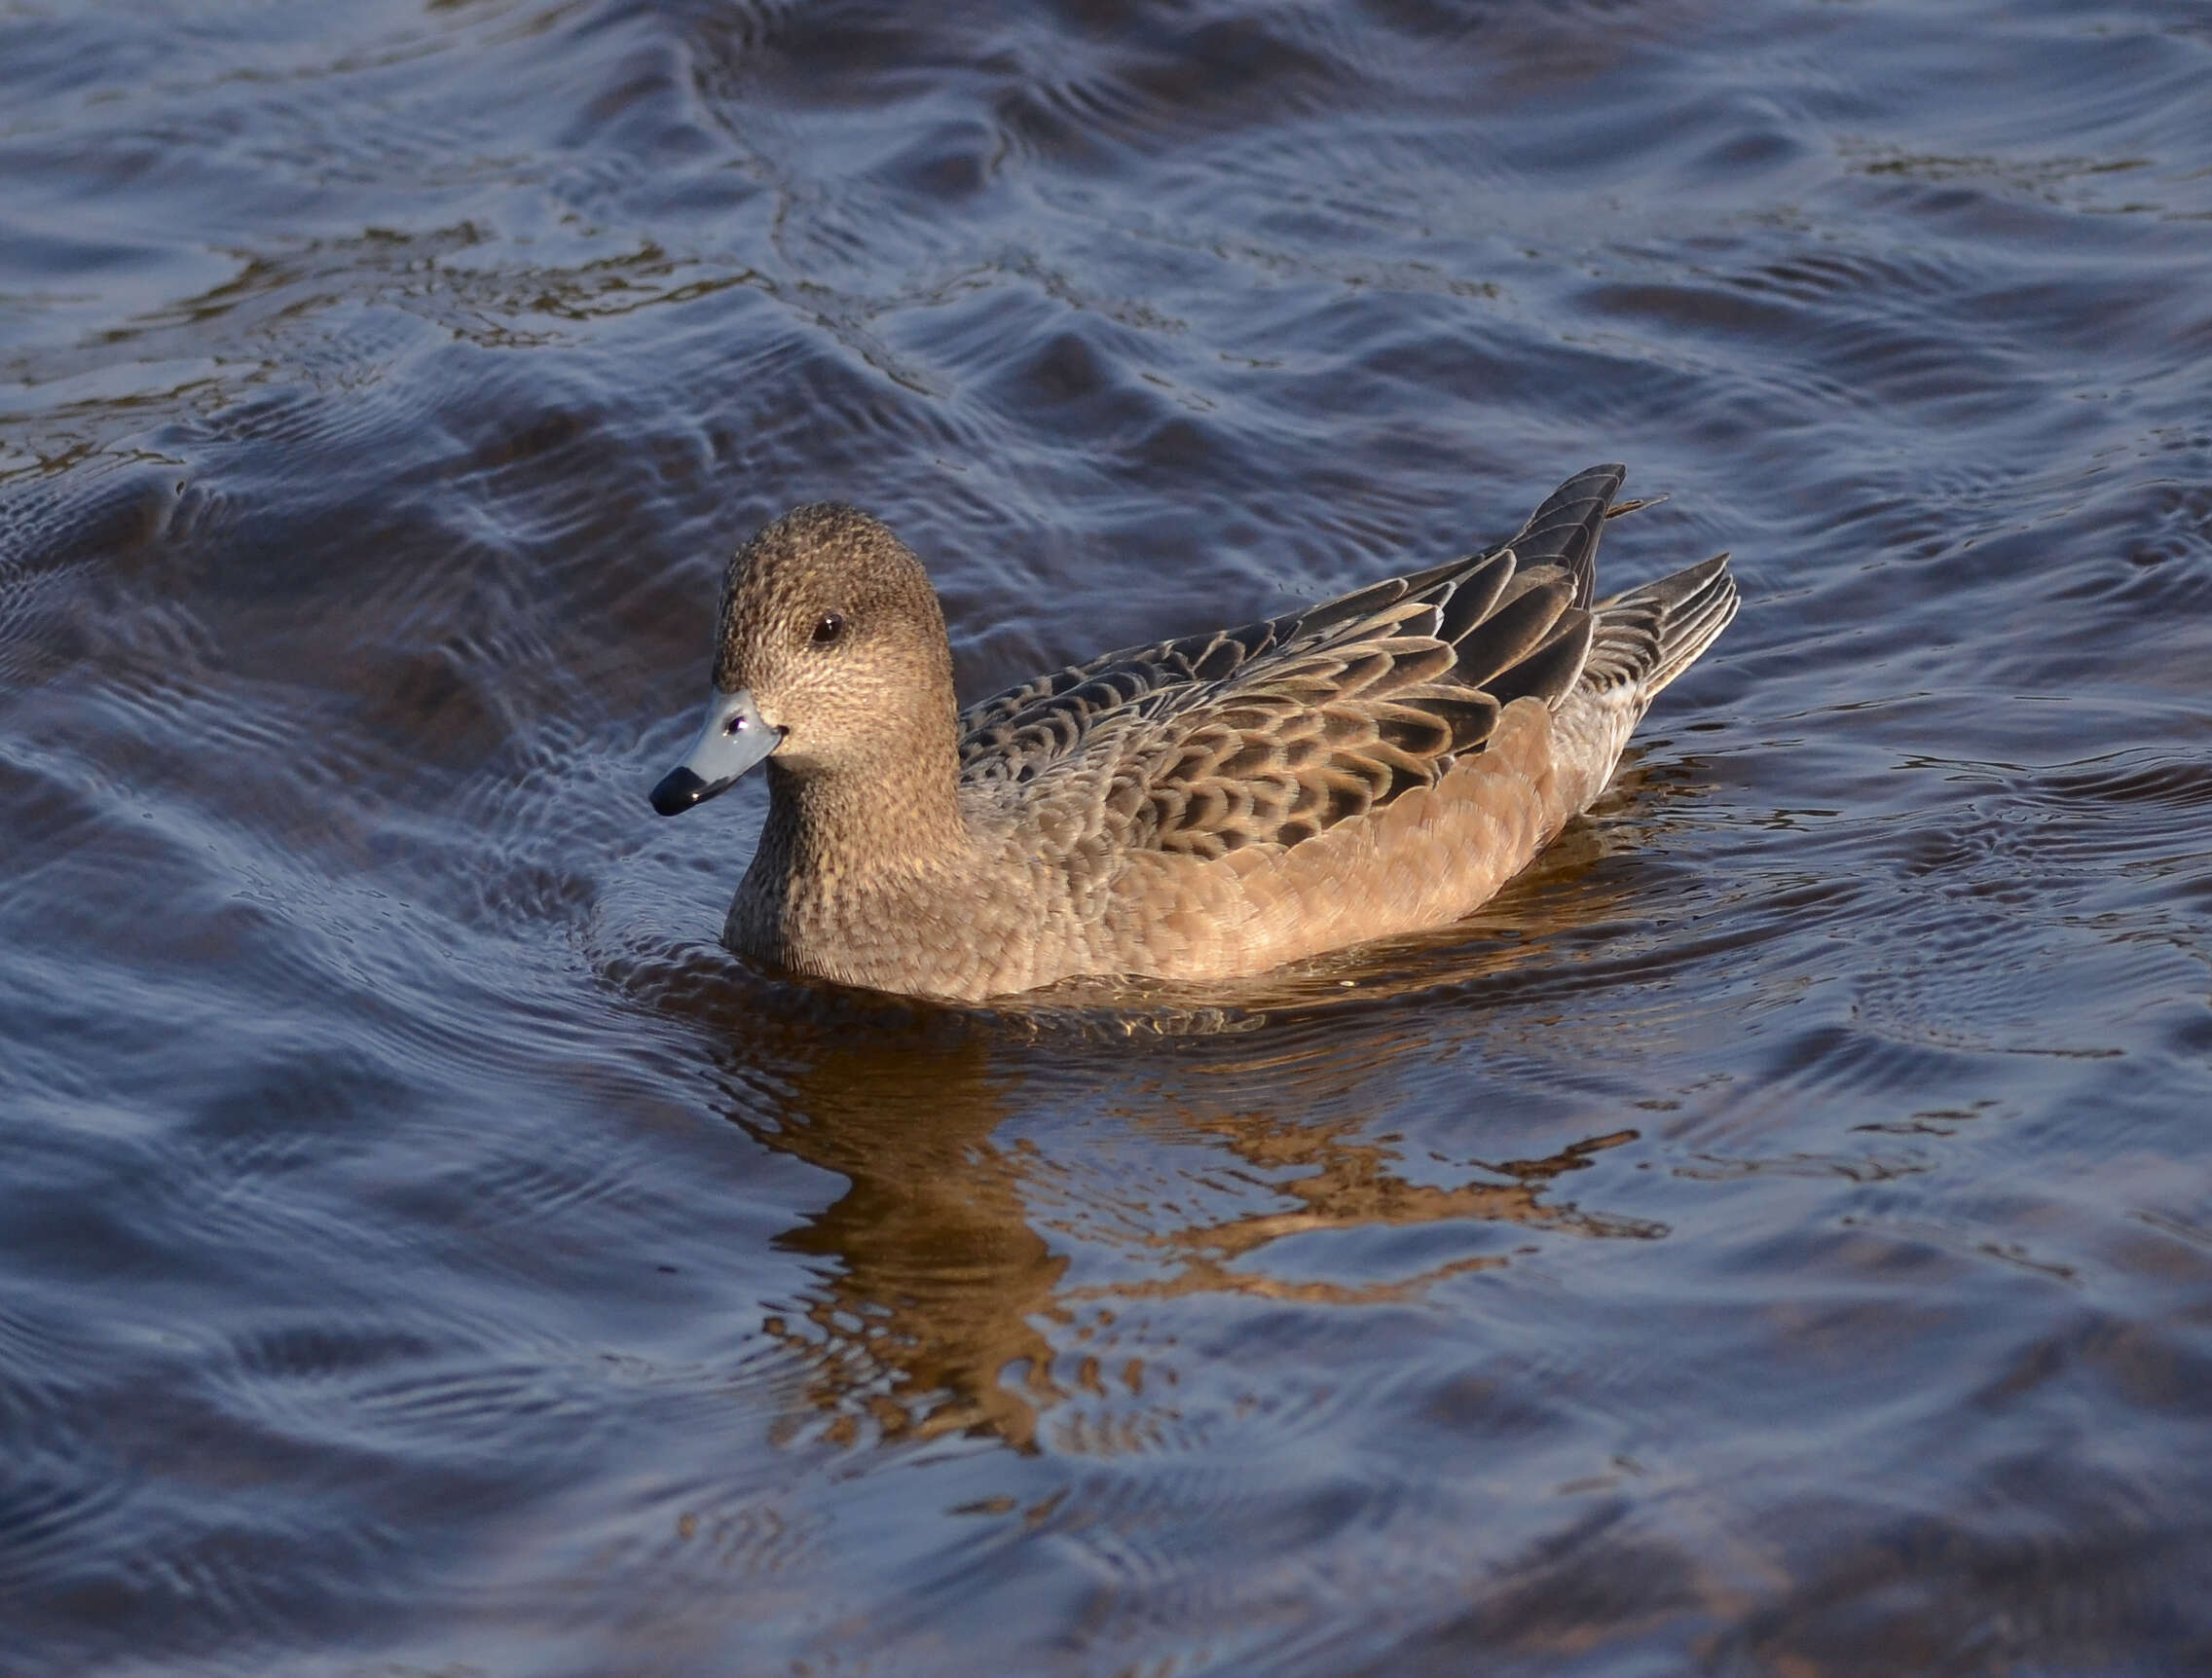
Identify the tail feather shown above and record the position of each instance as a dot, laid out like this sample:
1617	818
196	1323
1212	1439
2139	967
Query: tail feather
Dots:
1649	635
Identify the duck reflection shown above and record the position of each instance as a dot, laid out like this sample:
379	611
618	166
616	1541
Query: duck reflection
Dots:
1348	1185
924	1322
944	1304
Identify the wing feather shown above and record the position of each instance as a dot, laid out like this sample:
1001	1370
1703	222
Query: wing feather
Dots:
1276	731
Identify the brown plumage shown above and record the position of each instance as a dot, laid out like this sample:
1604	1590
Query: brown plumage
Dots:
1195	810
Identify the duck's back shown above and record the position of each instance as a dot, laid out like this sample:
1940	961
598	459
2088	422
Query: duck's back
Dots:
1375	765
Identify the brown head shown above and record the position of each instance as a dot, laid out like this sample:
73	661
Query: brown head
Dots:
831	660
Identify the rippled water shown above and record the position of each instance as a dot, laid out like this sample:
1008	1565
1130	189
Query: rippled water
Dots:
1775	1236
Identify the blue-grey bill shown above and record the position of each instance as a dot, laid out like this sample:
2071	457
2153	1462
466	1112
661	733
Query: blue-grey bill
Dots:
733	741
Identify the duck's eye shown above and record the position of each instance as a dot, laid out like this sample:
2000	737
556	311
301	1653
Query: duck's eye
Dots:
828	628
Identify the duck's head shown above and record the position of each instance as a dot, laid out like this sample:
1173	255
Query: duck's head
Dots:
831	658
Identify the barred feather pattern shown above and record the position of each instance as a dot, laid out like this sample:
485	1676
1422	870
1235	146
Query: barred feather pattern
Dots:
1276	732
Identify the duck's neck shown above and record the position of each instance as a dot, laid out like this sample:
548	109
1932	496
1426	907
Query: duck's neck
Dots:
853	827
856	861
882	818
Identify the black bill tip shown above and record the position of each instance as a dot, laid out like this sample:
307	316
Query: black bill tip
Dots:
680	789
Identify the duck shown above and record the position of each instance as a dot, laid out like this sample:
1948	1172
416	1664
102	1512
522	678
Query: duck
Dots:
1195	811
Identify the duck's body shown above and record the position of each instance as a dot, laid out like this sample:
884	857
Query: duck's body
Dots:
1195	810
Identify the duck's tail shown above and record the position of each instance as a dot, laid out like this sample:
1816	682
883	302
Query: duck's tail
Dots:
1649	635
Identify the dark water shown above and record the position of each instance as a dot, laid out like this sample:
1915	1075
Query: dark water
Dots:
1775	1237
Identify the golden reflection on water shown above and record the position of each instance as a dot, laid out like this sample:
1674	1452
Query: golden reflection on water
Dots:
948	1253
1350	1186
936	1271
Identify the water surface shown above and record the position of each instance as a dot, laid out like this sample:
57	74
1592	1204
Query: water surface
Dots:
1773	1237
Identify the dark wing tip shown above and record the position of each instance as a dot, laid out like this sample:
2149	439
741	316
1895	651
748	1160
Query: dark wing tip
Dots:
1563	529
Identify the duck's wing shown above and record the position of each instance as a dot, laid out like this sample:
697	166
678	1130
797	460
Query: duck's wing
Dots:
1564	532
1278	730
